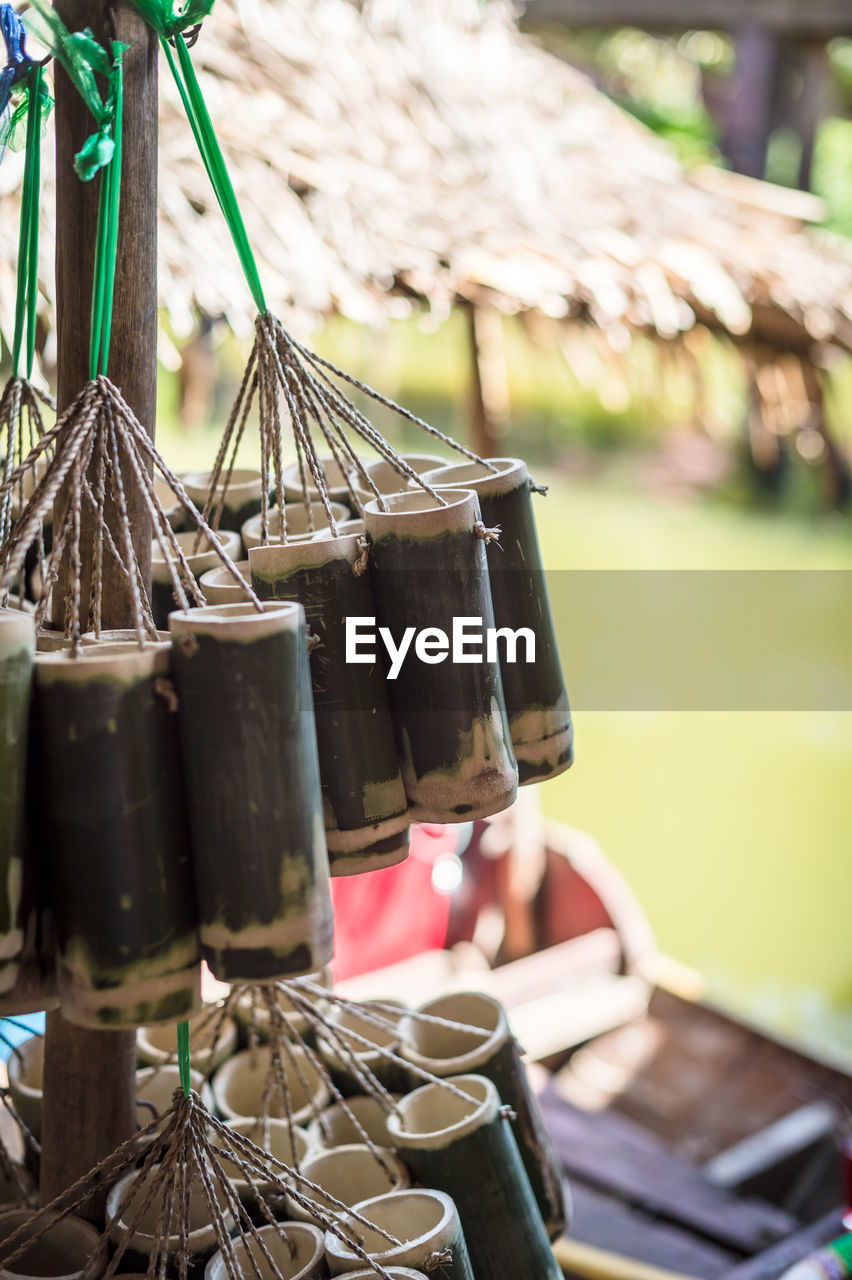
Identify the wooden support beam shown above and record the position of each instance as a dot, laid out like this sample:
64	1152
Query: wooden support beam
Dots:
825	18
88	1075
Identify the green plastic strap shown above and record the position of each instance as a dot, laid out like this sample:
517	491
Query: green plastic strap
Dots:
25	299
214	161
106	239
83	59
183	1057
168	19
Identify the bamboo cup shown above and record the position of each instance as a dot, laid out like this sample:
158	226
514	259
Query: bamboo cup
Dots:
299	521
201	1239
347	1061
116	830
366	814
449	1050
156	1046
464	1145
348	1174
426	1223
17	647
295	1248
335	1126
253	1016
428	567
163	599
67	1249
536	701
218	586
335	481
240	1087
231	508
250	758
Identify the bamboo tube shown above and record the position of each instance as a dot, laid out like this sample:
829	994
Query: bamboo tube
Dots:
424	1220
428	566
366	814
579	1259
17	647
252	779
296	1249
536	701
341	1020
115	823
231	508
349	1174
450	1051
162	592
297	523
464	1145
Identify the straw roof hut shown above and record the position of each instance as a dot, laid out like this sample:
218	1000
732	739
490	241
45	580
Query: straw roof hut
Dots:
387	155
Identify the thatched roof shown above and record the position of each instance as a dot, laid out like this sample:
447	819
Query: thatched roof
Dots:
392	151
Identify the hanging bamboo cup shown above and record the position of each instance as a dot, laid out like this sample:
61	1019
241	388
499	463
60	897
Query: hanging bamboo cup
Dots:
426	1224
366	814
295	1248
348	1174
300	521
115	822
123	1205
395	1273
233	505
348	1058
335	481
429	569
450	1050
219	586
241	1087
26	1077
163	599
536	701
359	1118
252	778
461	1141
155	1046
67	1249
287	1143
17	647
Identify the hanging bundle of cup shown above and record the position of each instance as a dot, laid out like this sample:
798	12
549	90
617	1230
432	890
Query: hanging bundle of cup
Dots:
250	756
366	812
536	701
17	646
115	823
428	566
455	1136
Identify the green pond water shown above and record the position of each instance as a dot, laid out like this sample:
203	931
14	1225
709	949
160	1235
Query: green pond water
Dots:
732	827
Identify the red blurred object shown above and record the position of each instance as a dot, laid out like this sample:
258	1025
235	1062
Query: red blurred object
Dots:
389	915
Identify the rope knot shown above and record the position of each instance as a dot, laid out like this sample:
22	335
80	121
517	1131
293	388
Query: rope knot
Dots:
538	488
508	1113
487	535
165	689
440	1258
359	565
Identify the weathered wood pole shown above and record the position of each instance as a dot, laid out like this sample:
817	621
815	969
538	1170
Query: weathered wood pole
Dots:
88	1075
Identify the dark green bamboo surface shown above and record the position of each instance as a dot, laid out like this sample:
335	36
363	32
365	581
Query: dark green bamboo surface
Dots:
428	566
35	988
116	829
17	647
423	1235
469	1152
536	701
366	813
163	599
445	1051
253	790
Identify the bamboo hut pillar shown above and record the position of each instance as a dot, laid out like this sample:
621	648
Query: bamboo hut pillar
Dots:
89	1089
489	388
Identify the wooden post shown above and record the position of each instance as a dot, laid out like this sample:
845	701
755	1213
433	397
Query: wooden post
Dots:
88	1075
489	381
749	123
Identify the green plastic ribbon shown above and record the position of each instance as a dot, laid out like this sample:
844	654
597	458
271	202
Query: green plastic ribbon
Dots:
169	19
106	240
213	160
83	59
183	1057
35	102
